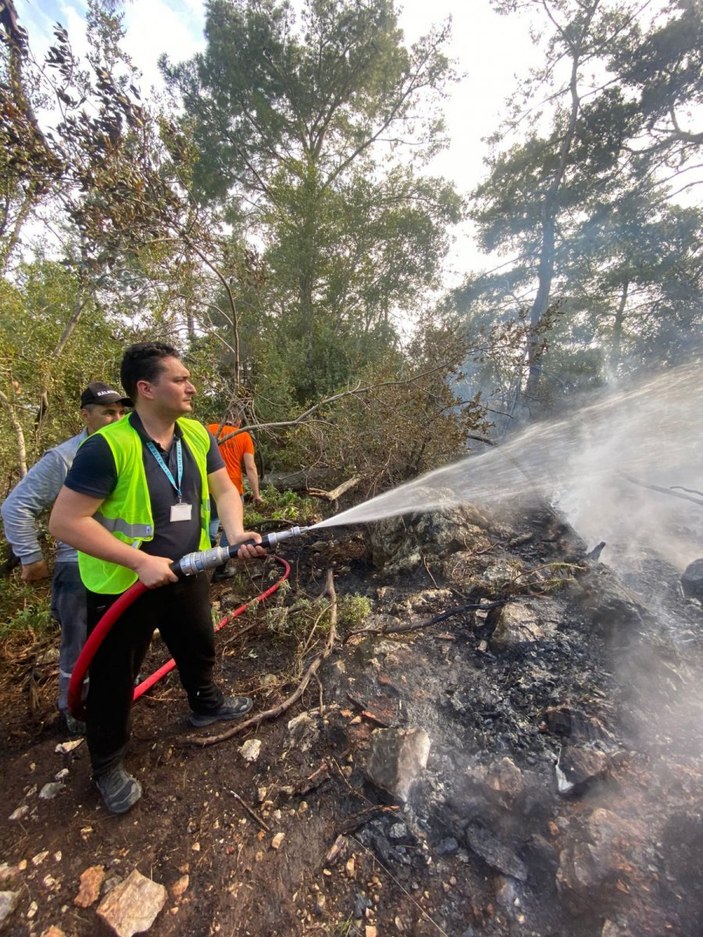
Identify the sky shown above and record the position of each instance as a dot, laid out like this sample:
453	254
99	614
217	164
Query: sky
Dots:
490	52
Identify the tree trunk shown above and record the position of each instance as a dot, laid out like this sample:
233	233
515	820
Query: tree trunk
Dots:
19	433
616	349
545	274
550	210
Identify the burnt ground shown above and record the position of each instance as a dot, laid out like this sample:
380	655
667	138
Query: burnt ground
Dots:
584	681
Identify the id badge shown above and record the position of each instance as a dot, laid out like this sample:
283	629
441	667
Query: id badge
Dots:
181	512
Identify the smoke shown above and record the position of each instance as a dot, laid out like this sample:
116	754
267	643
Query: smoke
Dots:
626	482
601	466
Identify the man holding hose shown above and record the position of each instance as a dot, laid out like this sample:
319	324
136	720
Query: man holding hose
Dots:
135	499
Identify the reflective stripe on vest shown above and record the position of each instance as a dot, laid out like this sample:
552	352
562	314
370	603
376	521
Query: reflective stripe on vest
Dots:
131	531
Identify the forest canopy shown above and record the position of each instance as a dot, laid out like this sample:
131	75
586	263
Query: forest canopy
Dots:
275	216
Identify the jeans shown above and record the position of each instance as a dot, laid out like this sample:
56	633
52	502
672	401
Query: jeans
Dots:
215	526
181	612
68	607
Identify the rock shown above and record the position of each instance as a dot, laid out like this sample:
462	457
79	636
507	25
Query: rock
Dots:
522	623
569	722
611	929
65	748
304	729
502	777
398	543
91	883
507	894
396	758
608	606
580	765
496	853
250	750
8	872
447	847
180	887
429	600
502	574
8	903
596	854
692	580
277	840
133	905
398	832
53	931
50	790
20	813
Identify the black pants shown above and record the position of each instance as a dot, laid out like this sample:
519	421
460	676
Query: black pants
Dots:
181	611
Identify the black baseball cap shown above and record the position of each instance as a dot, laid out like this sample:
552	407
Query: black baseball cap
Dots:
97	392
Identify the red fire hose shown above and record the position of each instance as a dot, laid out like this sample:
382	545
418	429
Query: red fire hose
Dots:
114	612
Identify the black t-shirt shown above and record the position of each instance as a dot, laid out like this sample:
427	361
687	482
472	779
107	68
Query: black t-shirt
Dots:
94	473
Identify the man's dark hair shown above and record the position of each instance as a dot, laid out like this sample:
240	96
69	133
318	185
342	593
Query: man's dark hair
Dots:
143	362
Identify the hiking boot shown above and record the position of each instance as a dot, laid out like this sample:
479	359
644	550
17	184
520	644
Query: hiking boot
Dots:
119	790
222	573
74	726
232	707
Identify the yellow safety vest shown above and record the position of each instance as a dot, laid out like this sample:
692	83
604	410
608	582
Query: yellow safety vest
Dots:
127	513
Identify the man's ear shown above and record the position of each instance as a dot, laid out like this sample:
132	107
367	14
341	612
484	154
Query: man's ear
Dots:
144	387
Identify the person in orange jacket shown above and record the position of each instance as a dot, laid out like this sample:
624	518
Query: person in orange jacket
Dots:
238	454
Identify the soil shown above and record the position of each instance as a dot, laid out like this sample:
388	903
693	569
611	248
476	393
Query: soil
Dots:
353	859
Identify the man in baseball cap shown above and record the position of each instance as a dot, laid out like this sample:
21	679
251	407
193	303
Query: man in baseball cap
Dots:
100	404
98	393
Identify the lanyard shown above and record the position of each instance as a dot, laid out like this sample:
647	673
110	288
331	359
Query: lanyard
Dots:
166	470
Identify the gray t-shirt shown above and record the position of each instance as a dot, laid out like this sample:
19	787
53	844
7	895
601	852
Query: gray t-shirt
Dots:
36	493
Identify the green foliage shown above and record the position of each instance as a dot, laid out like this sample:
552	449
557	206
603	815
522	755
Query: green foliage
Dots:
36	312
405	419
281	506
287	115
282	139
286	620
24	607
664	66
352	611
298	619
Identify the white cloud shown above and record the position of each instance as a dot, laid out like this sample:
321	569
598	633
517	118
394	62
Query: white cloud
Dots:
155	27
489	50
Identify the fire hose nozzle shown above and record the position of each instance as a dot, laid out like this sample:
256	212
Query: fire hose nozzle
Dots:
270	540
193	563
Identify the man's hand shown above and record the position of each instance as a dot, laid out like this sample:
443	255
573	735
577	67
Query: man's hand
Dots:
154	571
33	572
247	551
258	499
